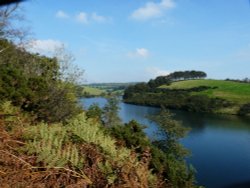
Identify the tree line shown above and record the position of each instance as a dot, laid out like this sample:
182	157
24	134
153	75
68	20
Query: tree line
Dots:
176	76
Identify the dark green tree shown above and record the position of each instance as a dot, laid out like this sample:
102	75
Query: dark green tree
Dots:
94	112
244	110
110	112
172	131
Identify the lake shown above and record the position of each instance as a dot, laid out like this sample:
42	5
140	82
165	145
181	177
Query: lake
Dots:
220	144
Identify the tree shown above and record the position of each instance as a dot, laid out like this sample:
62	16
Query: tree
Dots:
244	110
69	72
94	112
172	131
34	82
9	14
110	112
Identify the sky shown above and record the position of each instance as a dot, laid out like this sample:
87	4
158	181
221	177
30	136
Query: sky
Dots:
136	40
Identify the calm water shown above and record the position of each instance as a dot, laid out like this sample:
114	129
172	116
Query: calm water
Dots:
220	145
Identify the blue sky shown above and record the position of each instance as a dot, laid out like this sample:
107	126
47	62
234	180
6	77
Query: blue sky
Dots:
135	40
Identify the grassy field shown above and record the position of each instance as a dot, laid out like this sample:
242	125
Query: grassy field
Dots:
229	90
93	91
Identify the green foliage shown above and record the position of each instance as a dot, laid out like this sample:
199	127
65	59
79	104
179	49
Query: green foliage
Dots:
216	96
185	75
94	112
87	91
229	90
57	145
49	143
132	134
108	171
59	103
137	88
9	112
91	132
34	83
7	108
167	155
178	75
245	110
171	132
202	103
110	112
160	80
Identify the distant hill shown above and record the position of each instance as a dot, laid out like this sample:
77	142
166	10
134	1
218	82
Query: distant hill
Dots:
198	95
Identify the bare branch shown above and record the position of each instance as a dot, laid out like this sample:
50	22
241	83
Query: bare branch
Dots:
8	15
69	71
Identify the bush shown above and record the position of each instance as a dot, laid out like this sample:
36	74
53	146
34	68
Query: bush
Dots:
244	110
132	135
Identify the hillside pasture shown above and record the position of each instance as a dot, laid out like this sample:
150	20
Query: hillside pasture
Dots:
229	90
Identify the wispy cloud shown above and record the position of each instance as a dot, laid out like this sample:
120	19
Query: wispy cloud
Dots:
94	17
62	14
155	71
98	18
139	52
44	46
82	17
152	10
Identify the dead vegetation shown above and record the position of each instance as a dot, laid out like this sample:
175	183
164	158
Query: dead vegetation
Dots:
20	168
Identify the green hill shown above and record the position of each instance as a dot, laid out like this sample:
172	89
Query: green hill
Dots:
197	95
229	90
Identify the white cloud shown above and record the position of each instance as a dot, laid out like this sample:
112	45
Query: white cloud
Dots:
44	46
98	18
82	17
139	52
152	10
86	18
155	71
62	14
142	52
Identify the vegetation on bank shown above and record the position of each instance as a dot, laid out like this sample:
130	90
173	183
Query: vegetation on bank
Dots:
198	95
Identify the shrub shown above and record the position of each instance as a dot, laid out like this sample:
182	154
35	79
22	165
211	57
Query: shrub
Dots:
244	110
